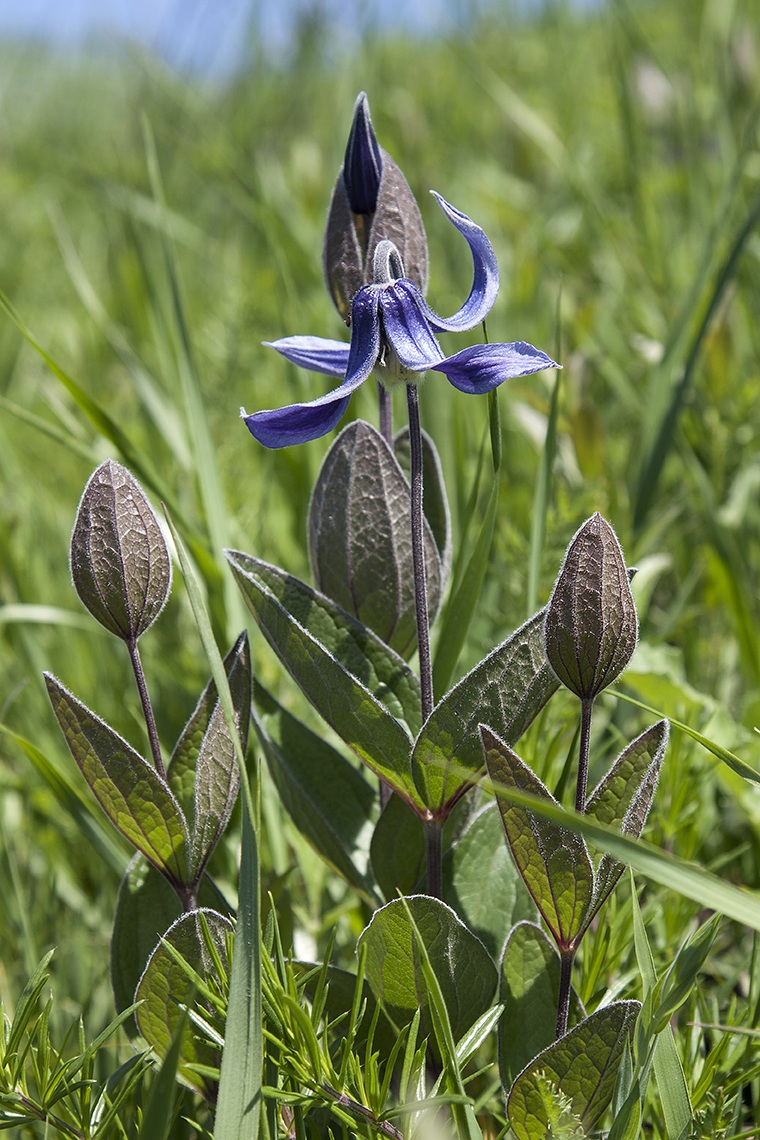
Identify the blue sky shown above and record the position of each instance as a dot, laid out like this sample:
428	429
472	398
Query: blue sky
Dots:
209	35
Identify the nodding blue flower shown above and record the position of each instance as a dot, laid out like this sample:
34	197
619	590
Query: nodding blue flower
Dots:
393	331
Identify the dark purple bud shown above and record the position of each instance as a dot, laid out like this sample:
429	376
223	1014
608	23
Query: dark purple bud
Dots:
363	164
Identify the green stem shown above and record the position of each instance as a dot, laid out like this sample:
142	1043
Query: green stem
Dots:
434	857
563	1005
583	752
150	720
418	554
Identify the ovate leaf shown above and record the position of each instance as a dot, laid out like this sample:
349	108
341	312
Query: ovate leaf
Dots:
553	861
347	673
466	975
529	989
133	796
168	984
578	1071
329	801
506	691
146	906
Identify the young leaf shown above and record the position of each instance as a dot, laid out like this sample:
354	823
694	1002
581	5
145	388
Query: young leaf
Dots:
329	801
217	777
133	796
343	669
167	985
581	1067
397	849
591	624
359	527
624	798
529	989
146	906
481	856
120	564
181	772
466	975
506	690
553	861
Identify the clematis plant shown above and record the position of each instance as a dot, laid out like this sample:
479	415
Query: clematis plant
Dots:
393	332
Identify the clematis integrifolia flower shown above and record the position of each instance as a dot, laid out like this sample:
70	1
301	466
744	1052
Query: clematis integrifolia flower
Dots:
371	203
393	332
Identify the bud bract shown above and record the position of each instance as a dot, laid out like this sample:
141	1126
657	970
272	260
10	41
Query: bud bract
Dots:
120	564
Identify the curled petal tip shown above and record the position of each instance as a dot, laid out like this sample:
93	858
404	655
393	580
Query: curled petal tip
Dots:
485	280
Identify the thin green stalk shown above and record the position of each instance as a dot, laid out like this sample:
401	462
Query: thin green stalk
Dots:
434	857
583	752
563	1005
150	720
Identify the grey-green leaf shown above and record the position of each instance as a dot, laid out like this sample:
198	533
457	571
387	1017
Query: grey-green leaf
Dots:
553	861
330	802
397	849
466	975
580	1070
133	796
120	564
217	777
624	797
166	986
345	671
360	537
591	622
529	989
482	884
146	906
505	691
435	503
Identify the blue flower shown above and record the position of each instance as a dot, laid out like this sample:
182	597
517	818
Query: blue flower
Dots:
393	331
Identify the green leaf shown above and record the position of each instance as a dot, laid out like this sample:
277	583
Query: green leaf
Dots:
159	1106
133	796
239	1101
203	771
478	857
624	797
591	622
329	801
146	906
166	986
359	537
553	861
435	504
466	975
529	989
397	850
120	563
344	670
463	600
505	691
580	1068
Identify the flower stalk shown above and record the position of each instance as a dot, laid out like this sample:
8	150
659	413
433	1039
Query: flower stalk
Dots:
150	720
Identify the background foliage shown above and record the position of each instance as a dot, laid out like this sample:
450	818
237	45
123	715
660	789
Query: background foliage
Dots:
157	229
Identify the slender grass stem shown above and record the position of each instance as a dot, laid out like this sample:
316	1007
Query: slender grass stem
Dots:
150	720
580	794
418	553
563	1005
386	413
434	857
